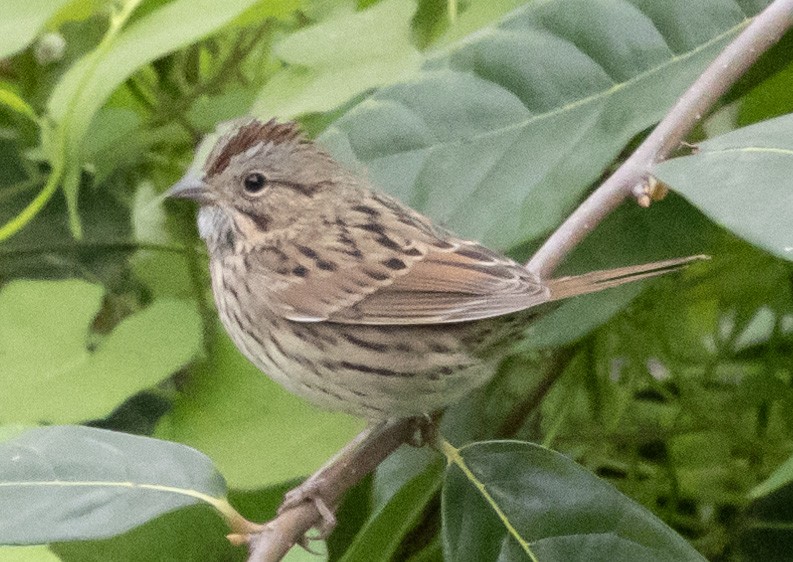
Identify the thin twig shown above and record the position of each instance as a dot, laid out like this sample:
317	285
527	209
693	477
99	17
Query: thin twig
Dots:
762	33
288	528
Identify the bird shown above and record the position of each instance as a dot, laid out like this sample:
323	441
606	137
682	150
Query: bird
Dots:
346	296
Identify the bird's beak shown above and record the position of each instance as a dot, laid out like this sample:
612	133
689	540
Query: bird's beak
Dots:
191	186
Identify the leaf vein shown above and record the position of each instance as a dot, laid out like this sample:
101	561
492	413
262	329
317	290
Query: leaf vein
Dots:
453	455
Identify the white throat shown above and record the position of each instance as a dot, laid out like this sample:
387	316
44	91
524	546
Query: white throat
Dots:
214	225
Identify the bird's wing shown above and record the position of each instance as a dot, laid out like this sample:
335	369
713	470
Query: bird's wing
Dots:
390	265
466	282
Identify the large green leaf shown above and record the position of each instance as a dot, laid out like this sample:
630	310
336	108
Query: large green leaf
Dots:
337	59
191	534
516	121
507	500
256	433
742	181
50	375
75	483
21	21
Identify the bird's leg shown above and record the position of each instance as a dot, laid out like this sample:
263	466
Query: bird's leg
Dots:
426	432
311	490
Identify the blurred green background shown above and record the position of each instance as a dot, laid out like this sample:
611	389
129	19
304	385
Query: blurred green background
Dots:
495	118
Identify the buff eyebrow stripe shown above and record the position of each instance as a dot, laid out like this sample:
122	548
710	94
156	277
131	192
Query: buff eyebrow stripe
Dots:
302	188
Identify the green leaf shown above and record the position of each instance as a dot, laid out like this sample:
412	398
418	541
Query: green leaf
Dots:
519	119
224	407
739	180
704	468
577	317
165	273
16	103
771	98
87	85
325	68
781	477
507	500
386	529
8	432
50	375
631	235
75	483
190	534
476	16
27	554
22	21
264	9
77	11
113	141
431	553
207	111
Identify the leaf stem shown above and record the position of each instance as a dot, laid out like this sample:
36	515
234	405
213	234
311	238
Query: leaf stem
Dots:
71	168
235	521
34	207
452	10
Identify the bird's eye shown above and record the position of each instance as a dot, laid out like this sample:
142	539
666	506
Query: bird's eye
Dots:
254	182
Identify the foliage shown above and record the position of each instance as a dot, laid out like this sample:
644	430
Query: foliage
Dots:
669	417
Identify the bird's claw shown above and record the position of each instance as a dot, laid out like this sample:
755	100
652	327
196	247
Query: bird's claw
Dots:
309	491
425	431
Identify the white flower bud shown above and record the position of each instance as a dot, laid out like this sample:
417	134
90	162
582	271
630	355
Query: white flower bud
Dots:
50	48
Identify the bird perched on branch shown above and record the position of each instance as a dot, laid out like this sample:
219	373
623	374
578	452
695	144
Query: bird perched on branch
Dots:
349	298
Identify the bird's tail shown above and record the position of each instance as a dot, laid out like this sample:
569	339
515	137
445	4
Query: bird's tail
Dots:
564	287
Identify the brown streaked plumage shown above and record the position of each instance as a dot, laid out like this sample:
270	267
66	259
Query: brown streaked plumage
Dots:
349	298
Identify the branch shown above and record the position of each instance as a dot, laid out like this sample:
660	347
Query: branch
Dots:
288	528
762	33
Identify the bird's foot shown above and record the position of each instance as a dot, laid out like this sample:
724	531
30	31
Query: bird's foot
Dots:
426	431
310	491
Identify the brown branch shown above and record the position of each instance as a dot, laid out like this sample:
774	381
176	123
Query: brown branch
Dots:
762	33
288	528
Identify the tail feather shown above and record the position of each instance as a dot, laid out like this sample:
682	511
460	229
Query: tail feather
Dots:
564	287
